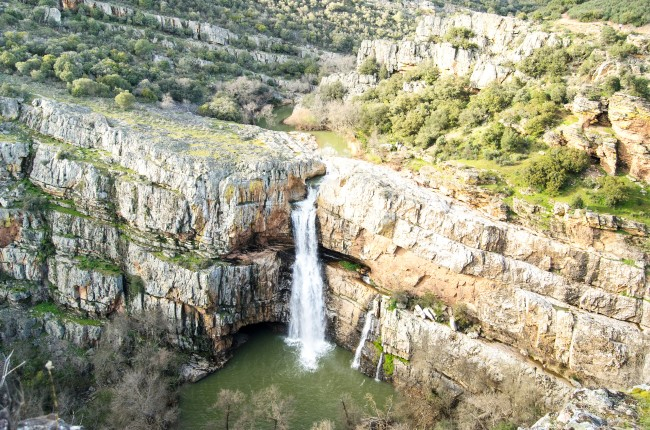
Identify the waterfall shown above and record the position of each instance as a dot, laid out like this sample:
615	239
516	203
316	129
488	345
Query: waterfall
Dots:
307	306
367	326
379	363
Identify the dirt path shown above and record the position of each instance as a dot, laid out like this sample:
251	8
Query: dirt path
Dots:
593	28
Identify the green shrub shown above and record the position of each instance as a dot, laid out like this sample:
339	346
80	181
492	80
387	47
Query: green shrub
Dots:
369	66
462	317
125	100
552	171
613	191
577	202
87	87
222	107
333	91
459	37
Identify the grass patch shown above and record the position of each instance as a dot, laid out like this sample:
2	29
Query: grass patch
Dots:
636	208
98	265
53	309
378	346
188	260
349	265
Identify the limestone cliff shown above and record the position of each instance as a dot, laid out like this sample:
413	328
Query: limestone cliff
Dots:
495	45
578	311
117	216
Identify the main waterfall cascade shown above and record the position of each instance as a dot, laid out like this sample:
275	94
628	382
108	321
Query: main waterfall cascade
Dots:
307	306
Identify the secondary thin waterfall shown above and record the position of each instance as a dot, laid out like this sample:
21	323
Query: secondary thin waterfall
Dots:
307	306
367	326
379	363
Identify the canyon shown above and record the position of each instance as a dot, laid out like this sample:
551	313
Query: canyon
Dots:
104	216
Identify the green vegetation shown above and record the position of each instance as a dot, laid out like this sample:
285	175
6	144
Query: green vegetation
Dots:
188	260
369	66
459	37
349	265
61	314
552	171
86	262
389	365
125	100
643	402
633	12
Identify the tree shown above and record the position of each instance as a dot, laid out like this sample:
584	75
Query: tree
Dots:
459	37
229	402
269	404
125	100
68	67
369	66
333	91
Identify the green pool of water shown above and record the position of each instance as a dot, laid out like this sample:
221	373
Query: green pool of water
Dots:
264	360
327	140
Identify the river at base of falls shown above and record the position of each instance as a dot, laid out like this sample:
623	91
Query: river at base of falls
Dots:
264	360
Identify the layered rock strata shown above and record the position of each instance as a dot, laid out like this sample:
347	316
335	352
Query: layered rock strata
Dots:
495	45
578	311
117	217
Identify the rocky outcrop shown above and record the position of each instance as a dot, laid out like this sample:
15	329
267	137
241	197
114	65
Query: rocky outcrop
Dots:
354	83
496	44
593	409
598	142
200	30
630	119
211	197
120	217
576	310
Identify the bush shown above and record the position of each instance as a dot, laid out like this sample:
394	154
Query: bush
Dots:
125	100
613	191
459	37
333	91
87	87
221	107
369	66
577	202
551	172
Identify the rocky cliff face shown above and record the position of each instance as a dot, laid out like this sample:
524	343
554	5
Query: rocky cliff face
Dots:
119	217
425	353
496	44
581	312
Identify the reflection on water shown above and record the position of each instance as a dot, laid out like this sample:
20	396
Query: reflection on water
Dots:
267	360
329	141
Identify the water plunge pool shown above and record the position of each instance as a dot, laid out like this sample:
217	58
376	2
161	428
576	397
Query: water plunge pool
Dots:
265	360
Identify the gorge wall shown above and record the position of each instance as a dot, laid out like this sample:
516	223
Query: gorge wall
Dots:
575	311
110	217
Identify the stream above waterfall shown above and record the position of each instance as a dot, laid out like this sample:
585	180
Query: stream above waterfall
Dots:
266	359
327	140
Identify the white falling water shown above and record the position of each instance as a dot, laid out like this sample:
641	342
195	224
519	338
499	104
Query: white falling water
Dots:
307	306
367	326
379	363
